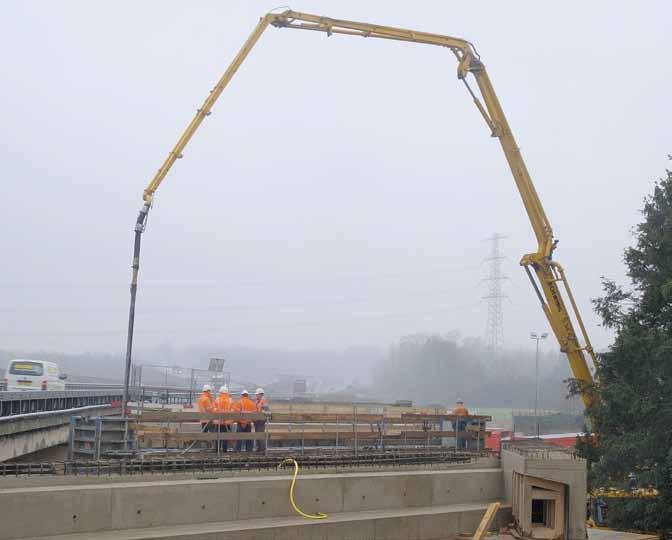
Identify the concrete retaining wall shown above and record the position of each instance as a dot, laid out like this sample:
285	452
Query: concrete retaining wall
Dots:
106	507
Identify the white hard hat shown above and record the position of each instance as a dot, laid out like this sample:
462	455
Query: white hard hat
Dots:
260	391
207	388
244	393
224	389
459	400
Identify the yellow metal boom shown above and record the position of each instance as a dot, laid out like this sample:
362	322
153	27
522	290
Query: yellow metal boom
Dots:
549	274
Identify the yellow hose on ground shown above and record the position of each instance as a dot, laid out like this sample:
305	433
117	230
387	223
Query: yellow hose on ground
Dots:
292	461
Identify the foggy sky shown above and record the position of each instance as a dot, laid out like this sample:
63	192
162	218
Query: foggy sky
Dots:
342	189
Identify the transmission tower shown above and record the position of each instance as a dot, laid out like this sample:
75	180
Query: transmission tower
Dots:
494	330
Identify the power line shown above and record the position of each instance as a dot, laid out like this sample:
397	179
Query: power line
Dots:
494	328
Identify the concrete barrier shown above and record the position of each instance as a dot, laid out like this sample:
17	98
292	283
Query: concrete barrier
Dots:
456	498
23	434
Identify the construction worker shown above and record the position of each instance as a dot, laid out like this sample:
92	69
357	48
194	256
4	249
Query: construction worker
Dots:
244	405
260	425
460	424
223	404
460	409
206	404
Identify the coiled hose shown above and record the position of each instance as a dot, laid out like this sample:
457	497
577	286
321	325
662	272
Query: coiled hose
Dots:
292	461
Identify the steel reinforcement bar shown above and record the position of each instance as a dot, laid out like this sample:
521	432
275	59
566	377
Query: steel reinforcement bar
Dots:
244	462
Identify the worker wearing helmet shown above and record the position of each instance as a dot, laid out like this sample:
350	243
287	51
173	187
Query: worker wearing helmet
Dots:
206	404
460	409
260	425
244	405
223	404
460	423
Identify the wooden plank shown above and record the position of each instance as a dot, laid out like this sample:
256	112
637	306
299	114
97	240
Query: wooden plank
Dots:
301	417
332	418
145	428
487	520
434	434
174	417
294	436
247	436
415	417
323	436
299	435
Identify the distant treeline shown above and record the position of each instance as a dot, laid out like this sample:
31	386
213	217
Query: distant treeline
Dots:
439	369
424	368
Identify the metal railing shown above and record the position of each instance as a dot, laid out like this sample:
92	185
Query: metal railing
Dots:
14	403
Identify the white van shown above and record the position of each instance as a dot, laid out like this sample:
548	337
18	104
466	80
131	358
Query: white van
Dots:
33	375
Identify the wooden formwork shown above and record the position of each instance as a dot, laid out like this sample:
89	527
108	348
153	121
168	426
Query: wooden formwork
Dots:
314	425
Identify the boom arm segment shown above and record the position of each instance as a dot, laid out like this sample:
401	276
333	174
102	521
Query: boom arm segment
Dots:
548	272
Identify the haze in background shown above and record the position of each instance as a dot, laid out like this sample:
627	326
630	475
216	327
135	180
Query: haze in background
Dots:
339	194
427	369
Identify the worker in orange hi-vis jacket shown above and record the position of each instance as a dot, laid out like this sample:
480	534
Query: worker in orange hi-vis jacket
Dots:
461	424
223	404
260	425
460	409
206	404
244	405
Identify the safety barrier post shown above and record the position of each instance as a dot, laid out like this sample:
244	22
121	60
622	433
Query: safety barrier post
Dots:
337	430
98	437
71	446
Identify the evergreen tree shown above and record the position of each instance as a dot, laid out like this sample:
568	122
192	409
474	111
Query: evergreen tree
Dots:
632	412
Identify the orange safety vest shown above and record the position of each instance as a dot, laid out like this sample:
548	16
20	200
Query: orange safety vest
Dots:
205	402
261	404
461	410
222	404
244	405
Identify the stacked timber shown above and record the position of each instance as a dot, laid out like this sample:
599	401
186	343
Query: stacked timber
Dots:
315	425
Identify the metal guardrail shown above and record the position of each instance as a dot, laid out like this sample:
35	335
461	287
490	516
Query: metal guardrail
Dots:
150	393
119	386
13	403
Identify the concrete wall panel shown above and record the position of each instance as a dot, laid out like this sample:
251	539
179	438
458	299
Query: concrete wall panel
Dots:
362	493
418	491
45	511
264	498
440	526
482	485
352	530
318	494
401	528
136	507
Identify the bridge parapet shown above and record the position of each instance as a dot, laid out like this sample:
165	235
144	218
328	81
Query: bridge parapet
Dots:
15	403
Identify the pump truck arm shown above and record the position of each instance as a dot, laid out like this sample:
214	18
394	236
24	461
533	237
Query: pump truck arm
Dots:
544	273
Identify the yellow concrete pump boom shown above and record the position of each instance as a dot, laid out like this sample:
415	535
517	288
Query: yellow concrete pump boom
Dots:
548	272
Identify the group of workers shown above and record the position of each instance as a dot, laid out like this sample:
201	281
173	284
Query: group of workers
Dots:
224	403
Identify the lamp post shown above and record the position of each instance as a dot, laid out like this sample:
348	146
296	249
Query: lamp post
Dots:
537	338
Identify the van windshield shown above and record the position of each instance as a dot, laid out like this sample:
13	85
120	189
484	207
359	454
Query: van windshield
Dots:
26	368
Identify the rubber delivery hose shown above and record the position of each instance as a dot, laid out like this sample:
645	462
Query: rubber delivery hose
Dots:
292	461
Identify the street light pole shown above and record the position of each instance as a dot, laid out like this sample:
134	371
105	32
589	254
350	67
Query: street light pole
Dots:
537	338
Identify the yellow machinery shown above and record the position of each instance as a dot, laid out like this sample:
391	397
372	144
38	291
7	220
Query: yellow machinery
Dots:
549	274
